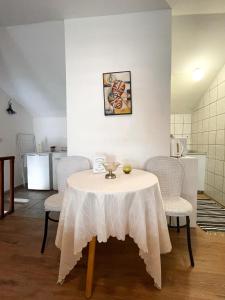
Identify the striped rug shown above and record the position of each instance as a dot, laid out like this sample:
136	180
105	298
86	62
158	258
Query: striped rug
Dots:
210	216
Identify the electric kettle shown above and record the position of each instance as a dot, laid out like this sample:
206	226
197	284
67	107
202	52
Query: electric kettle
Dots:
176	147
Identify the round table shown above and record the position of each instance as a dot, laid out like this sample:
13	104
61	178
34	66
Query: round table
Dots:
97	207
89	182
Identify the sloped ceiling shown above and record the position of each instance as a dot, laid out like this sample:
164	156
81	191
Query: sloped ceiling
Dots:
32	57
32	64
17	12
196	7
198	40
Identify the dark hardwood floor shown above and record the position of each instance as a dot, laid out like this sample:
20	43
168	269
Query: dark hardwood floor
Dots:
119	271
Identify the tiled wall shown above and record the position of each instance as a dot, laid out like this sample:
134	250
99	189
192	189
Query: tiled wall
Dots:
180	126
208	124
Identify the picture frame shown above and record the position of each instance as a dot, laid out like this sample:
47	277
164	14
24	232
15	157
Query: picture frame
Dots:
117	93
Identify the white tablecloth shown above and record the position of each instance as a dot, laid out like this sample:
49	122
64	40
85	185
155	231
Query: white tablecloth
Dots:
95	206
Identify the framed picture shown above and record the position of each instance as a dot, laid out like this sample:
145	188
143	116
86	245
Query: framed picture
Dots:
117	93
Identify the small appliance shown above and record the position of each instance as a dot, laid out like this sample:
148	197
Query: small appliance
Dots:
176	147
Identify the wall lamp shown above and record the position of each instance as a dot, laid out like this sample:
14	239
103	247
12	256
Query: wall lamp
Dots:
9	109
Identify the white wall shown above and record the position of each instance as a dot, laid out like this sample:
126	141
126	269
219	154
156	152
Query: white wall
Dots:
50	132
137	42
10	125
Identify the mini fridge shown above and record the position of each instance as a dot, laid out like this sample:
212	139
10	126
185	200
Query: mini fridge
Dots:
39	171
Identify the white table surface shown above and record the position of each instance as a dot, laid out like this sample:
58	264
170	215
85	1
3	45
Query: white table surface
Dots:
130	204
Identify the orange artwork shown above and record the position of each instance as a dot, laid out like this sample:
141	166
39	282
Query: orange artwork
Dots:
117	93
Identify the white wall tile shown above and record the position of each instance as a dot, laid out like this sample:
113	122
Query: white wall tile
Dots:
194	147
187	118
219	182
172	130
220	121
219	166
179	118
205	125
206	138
211	179
208	135
220	137
221	106
189	141
200	114
209	190
195	117
200	126
212	123
218	196
211	165
205	148
212	137
206	98
202	103
223	200
200	138
200	148
212	109
194	127
206	112
194	138
187	129
178	128
212	151
220	152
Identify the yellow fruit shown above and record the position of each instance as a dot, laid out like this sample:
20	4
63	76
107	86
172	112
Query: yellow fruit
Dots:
127	169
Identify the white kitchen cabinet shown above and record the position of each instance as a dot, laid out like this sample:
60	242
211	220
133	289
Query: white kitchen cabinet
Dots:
56	156
201	169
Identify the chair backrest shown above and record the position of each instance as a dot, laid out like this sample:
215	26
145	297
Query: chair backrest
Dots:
69	165
170	174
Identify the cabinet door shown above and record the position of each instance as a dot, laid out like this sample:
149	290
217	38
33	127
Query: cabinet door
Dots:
55	159
38	172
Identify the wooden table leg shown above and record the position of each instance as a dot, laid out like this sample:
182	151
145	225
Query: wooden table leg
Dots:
2	212
11	189
90	268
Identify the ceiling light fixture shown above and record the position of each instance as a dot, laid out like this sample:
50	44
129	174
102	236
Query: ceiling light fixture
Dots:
197	74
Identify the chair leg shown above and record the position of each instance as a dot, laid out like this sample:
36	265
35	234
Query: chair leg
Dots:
90	268
189	241
178	224
45	232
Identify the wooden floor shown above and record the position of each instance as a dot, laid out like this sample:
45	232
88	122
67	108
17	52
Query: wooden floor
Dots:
119	272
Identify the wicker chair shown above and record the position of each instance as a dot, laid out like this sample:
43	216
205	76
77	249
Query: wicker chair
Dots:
170	174
65	168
